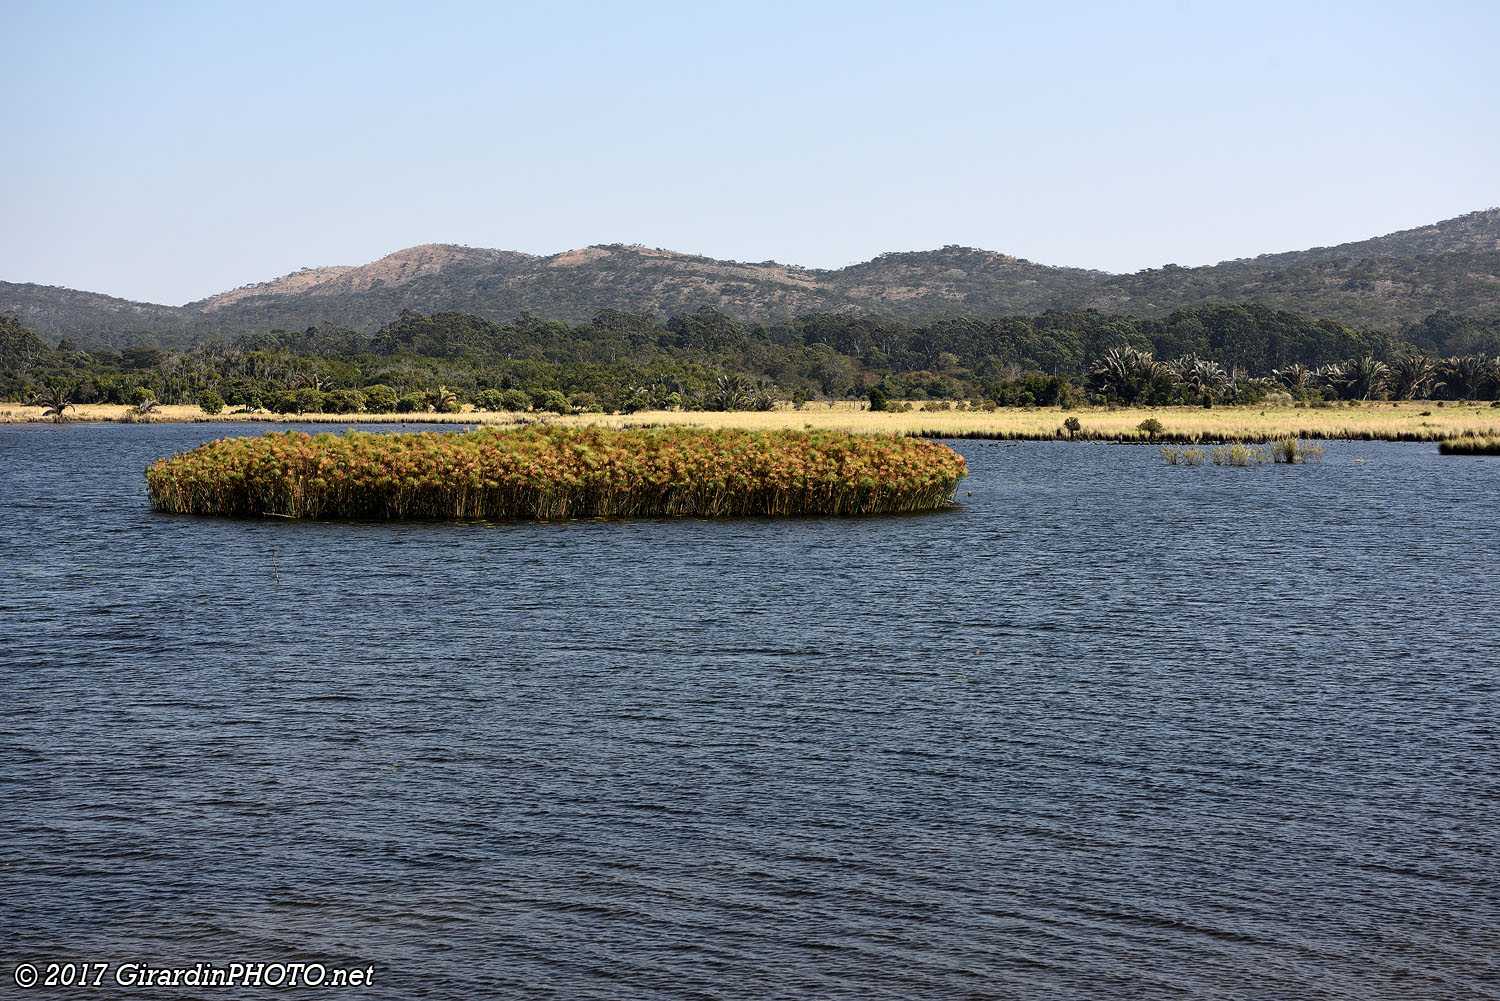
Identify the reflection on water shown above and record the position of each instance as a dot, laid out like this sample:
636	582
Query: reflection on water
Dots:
1113	728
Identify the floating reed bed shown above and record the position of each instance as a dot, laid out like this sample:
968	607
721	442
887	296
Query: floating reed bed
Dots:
554	473
1477	445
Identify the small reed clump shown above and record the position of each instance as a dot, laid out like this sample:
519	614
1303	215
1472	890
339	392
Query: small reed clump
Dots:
1185	456
1240	455
1476	445
1288	450
1297	450
554	473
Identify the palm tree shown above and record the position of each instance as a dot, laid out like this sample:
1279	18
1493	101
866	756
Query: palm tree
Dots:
1110	375
1294	376
764	397
1363	376
1328	377
442	400
1409	375
1181	366
1464	378
1207	377
1125	373
56	401
731	392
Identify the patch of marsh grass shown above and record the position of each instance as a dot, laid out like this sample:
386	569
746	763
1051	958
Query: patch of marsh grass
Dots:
551	473
1470	445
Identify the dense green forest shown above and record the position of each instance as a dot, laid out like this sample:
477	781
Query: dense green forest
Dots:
705	360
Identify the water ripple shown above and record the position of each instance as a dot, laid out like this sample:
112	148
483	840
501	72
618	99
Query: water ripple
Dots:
1114	729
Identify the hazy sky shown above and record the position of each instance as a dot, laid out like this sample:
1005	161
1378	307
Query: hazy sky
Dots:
166	152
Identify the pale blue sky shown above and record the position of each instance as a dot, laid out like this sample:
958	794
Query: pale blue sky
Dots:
168	151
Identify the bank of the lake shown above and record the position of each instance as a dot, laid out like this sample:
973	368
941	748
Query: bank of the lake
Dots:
1368	421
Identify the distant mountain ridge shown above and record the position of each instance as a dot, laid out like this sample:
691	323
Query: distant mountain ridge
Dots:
1382	282
1474	233
392	270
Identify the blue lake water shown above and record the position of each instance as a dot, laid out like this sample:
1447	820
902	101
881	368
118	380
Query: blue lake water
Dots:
1112	728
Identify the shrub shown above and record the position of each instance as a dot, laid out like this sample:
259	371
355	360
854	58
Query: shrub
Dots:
1150	426
515	400
241	391
412	403
1073	426
489	399
878	399
380	398
210	402
282	402
139	395
310	401
345	401
550	401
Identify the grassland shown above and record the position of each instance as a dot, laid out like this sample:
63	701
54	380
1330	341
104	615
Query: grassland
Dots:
1420	421
554	473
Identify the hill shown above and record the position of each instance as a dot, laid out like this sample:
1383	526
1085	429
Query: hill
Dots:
1474	233
1381	283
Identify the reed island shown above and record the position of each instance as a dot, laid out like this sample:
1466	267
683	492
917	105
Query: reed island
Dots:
1471	445
554	473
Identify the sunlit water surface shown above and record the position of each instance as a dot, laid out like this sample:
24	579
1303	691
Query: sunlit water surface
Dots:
1110	729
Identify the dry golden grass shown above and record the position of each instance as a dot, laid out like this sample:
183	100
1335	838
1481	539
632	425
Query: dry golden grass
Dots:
1470	446
1420	421
1402	422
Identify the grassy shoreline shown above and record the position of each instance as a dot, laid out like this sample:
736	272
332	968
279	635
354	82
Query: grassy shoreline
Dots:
1477	445
1419	421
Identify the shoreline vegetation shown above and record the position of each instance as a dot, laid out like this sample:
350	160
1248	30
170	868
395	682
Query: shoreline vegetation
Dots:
1477	445
1402	421
557	473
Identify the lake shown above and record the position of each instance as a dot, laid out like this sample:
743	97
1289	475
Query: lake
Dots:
1110	728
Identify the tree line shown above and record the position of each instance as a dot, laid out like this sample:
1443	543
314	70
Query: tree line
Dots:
622	361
